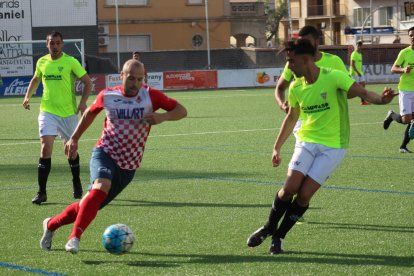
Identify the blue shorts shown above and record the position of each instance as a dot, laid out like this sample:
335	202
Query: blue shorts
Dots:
103	166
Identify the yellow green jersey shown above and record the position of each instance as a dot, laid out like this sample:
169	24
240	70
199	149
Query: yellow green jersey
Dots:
356	57
406	58
327	60
323	108
58	79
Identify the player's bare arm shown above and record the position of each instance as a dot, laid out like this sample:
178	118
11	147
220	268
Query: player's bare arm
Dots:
281	87
396	69
287	127
177	113
87	87
386	97
33	85
71	146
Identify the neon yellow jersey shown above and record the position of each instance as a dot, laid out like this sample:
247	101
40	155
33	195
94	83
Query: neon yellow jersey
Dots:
327	60
323	108
58	79
356	57
406	58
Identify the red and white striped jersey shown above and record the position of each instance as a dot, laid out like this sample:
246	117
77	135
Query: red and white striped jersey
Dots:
125	132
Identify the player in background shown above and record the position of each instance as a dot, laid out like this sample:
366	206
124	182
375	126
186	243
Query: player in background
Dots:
404	65
322	59
58	109
130	112
356	70
321	140
137	56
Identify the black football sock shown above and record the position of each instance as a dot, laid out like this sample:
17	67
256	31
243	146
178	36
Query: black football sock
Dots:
396	117
43	170
406	139
75	169
279	208
293	213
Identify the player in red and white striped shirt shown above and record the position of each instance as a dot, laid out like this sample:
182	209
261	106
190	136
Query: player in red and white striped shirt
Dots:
130	112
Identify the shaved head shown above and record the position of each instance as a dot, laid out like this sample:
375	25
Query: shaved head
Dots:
131	63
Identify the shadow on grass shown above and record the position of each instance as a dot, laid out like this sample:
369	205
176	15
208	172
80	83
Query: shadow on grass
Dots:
305	257
366	227
183	204
145	174
20	139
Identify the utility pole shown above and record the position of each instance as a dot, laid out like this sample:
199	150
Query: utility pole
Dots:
372	21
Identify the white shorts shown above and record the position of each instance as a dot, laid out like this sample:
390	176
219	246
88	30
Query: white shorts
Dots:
359	79
406	101
315	160
50	124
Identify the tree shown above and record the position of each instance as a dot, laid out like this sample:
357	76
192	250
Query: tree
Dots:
274	15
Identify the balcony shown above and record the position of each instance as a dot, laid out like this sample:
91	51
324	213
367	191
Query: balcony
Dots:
324	10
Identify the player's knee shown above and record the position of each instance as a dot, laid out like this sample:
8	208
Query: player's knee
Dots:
406	119
102	184
286	193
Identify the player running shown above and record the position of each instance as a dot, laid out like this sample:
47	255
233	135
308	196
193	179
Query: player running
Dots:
319	97
403	65
130	113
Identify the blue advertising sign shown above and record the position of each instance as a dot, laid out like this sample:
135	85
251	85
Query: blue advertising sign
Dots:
375	30
17	86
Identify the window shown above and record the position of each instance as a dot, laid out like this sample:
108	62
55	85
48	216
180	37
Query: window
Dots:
195	2
385	16
127	2
197	41
407	11
360	15
130	43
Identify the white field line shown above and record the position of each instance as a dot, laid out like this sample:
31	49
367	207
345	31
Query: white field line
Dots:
188	134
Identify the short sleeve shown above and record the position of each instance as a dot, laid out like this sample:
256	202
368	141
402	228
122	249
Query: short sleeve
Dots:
160	100
292	99
400	59
77	68
98	104
287	74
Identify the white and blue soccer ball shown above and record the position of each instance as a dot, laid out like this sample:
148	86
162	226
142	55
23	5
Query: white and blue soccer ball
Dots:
118	239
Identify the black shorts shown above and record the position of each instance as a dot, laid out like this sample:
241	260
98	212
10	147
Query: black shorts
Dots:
104	166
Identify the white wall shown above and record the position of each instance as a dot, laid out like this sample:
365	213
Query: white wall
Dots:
63	13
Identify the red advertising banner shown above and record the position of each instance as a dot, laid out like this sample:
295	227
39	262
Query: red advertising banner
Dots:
98	83
205	79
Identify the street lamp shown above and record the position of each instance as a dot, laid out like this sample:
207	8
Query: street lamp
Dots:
365	21
290	18
208	36
117	35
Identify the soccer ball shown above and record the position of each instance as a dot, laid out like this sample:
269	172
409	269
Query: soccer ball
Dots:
118	239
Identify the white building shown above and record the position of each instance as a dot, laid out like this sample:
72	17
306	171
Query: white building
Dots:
383	21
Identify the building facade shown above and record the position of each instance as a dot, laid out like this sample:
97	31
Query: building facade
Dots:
329	16
342	21
149	25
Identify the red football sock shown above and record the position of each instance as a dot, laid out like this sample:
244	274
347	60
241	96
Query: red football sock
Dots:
66	217
87	212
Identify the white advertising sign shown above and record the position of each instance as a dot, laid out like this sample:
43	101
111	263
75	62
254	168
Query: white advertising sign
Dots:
113	80
155	80
48	13
380	73
266	77
15	25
